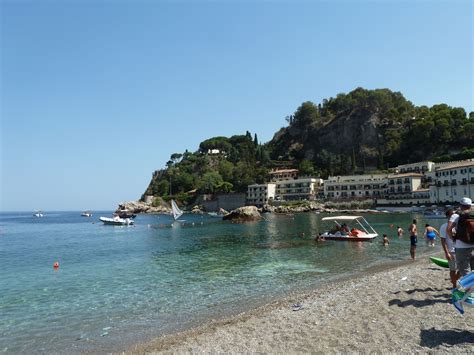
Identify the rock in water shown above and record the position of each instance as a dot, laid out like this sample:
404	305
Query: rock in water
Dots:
243	214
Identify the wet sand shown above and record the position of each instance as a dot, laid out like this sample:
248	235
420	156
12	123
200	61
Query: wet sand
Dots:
398	309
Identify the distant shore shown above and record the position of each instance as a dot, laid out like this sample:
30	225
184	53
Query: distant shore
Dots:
403	307
311	206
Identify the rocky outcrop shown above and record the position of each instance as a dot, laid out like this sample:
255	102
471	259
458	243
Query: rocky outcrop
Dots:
197	210
142	207
222	212
243	214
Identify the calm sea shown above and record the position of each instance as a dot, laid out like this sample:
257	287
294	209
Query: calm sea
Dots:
117	286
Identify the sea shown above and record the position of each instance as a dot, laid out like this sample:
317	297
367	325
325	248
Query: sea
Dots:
121	285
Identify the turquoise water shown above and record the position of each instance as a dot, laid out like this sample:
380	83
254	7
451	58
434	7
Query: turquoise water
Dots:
117	286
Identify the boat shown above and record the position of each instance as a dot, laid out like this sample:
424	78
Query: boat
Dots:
117	221
352	233
434	213
86	214
38	214
439	261
176	211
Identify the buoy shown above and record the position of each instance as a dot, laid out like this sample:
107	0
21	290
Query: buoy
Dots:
56	265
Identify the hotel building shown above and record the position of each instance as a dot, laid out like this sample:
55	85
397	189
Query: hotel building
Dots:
306	188
405	189
260	194
452	181
355	186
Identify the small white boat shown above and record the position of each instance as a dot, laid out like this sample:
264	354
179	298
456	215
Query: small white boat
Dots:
86	214
117	221
350	229
38	214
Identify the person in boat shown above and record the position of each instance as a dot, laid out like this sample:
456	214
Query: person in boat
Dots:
430	234
385	240
399	231
448	247
344	229
413	239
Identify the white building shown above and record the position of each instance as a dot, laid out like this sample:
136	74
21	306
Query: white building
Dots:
355	186
420	167
405	189
298	189
452	181
260	194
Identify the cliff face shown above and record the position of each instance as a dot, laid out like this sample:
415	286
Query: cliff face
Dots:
355	129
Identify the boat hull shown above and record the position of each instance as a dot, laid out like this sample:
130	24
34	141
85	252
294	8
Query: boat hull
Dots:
345	238
351	239
116	221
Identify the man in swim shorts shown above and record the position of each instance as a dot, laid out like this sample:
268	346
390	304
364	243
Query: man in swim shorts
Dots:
413	239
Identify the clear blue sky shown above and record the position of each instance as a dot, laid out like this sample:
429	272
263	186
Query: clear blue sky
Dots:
96	95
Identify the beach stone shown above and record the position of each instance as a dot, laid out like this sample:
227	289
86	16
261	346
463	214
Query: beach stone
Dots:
243	214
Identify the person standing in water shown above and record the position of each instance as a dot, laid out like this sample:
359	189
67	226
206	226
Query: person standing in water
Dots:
399	231
430	235
413	239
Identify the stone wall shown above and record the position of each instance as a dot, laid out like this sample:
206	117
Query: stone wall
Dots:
227	202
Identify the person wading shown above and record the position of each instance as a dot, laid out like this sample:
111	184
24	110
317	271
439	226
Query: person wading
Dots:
413	239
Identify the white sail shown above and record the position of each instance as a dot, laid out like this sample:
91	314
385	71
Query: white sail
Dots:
176	211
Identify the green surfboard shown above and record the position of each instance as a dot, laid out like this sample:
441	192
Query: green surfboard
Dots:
439	261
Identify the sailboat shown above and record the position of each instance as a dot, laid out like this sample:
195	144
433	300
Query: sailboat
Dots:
176	211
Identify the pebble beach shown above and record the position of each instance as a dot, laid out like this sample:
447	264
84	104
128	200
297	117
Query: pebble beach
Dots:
402	307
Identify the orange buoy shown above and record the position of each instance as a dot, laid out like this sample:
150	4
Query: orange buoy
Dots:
56	265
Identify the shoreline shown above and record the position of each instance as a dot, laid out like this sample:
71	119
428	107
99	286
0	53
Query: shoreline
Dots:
397	306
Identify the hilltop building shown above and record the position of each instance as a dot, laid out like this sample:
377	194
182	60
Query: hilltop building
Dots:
282	174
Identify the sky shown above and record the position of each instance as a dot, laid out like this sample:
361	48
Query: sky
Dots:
96	95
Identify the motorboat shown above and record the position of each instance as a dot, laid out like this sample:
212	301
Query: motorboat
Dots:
86	214
38	214
117	221
349	228
434	213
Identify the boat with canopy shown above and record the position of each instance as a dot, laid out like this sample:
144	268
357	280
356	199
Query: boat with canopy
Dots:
349	228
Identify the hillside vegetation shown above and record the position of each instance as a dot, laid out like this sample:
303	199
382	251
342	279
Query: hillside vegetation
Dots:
364	130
